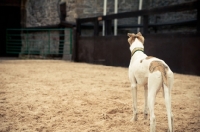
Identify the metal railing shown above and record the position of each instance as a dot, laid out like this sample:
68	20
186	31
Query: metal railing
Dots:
41	42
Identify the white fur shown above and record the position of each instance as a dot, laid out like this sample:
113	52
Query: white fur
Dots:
137	43
139	74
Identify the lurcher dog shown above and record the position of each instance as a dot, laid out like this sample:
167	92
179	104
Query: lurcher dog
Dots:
153	74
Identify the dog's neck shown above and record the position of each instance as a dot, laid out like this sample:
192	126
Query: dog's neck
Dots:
136	46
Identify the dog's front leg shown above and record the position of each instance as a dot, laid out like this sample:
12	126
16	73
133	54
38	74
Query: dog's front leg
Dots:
145	101
134	94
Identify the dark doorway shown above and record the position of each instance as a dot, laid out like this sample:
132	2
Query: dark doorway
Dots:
10	18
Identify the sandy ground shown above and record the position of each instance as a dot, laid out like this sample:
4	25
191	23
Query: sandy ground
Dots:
61	96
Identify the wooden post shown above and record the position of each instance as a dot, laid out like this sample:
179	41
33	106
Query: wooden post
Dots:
23	14
198	17
61	43
108	27
145	24
77	35
78	27
63	11
74	46
96	27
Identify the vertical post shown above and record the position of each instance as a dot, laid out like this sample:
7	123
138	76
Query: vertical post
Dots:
23	13
49	41
108	27
27	42
78	30
115	20
73	44
71	40
62	11
145	24
96	27
104	13
198	17
61	42
139	17
6	40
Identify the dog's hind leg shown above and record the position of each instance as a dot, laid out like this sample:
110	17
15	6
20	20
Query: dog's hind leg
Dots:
167	91
151	103
145	102
168	107
134	94
154	84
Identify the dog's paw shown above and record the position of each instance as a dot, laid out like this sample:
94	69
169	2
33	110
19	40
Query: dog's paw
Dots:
145	115
134	118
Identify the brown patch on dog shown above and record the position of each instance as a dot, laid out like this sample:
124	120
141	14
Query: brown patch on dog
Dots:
131	39
159	66
133	36
140	37
148	57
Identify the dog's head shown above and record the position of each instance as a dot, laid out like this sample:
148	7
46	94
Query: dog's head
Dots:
133	36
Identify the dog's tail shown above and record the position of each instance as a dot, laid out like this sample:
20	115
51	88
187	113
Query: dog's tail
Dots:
164	78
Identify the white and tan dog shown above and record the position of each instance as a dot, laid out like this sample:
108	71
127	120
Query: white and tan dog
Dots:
153	74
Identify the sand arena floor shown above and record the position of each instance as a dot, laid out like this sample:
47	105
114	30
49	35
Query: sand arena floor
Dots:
61	96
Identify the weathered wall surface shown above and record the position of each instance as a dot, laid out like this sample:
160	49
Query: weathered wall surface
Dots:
42	43
172	16
46	12
71	11
42	12
88	8
46	43
175	16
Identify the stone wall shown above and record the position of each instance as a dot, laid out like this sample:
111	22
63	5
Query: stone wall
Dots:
44	43
47	12
42	12
171	17
71	6
41	43
174	16
90	8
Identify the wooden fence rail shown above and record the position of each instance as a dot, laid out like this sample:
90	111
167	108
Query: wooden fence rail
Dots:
179	50
145	14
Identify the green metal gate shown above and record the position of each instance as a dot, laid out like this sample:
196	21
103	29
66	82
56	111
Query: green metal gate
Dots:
42	42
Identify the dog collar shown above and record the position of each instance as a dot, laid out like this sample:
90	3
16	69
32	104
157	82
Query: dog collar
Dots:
136	49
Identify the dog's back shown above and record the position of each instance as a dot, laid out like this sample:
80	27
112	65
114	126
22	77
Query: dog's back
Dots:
141	68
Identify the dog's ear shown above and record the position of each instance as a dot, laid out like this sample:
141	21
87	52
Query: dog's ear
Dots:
129	34
139	34
140	37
